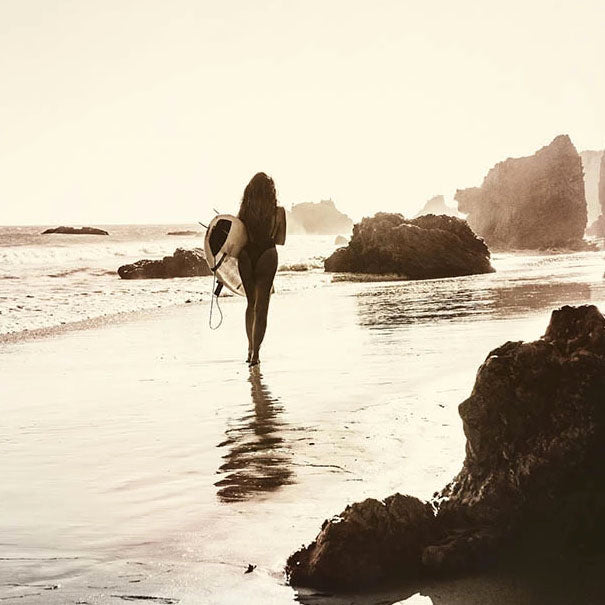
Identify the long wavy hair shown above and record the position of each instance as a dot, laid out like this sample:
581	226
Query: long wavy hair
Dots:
258	207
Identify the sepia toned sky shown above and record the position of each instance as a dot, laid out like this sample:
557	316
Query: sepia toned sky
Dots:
148	111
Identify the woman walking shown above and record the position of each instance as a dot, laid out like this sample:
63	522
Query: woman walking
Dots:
265	223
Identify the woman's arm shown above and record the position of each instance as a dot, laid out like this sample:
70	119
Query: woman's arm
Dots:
280	226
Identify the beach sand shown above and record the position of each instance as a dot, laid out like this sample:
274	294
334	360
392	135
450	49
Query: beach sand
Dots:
141	456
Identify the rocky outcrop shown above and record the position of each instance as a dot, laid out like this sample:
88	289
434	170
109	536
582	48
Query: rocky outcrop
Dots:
183	263
535	202
322	218
341	240
598	227
369	541
422	248
533	476
437	205
76	231
186	232
591	163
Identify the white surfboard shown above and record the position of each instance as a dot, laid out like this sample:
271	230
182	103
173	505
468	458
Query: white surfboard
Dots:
225	237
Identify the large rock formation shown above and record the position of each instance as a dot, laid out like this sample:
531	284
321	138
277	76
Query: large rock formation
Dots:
533	477
422	248
76	231
535	202
437	205
322	218
598	227
591	162
184	263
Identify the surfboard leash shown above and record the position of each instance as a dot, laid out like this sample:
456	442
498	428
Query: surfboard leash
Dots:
216	290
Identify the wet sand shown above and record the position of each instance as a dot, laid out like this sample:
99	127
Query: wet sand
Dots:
144	459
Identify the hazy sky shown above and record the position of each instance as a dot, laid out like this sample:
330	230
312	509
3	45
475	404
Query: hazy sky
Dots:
157	111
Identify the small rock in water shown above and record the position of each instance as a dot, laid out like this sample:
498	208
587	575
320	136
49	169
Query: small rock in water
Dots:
251	568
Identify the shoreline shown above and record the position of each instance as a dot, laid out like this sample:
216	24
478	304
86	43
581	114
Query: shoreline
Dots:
85	324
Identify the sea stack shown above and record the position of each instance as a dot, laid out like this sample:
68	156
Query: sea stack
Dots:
536	202
426	247
597	228
591	162
322	218
436	205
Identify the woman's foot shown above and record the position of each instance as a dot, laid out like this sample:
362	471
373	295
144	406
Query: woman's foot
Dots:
253	361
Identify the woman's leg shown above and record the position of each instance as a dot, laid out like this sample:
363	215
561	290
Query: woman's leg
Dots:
264	273
247	274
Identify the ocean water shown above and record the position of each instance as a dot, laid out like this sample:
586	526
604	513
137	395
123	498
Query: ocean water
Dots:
48	280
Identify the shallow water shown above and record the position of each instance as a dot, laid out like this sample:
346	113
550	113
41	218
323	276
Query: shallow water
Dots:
55	279
144	459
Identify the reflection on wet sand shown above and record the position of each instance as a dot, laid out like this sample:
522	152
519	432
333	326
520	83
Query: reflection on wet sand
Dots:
257	459
448	300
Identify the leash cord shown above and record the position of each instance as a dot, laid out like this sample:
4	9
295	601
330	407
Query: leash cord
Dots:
212	297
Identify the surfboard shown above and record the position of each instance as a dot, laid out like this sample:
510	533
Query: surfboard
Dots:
225	237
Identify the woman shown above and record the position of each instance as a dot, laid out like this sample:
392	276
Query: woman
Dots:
266	226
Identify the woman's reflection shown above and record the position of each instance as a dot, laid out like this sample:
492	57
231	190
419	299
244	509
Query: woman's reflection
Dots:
257	459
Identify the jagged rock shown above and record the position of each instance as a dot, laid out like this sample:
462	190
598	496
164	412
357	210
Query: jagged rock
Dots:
602	185
437	205
421	248
535	430
76	231
535	202
184	263
533	476
322	218
369	541
591	162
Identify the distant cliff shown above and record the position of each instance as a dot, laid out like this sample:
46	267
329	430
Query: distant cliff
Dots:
321	218
591	162
534	202
436	205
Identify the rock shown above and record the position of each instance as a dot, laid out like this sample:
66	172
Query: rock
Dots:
184	263
591	163
602	185
294	267
535	202
437	205
597	229
322	218
76	231
366	543
341	240
533	478
535	429
186	232
422	248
